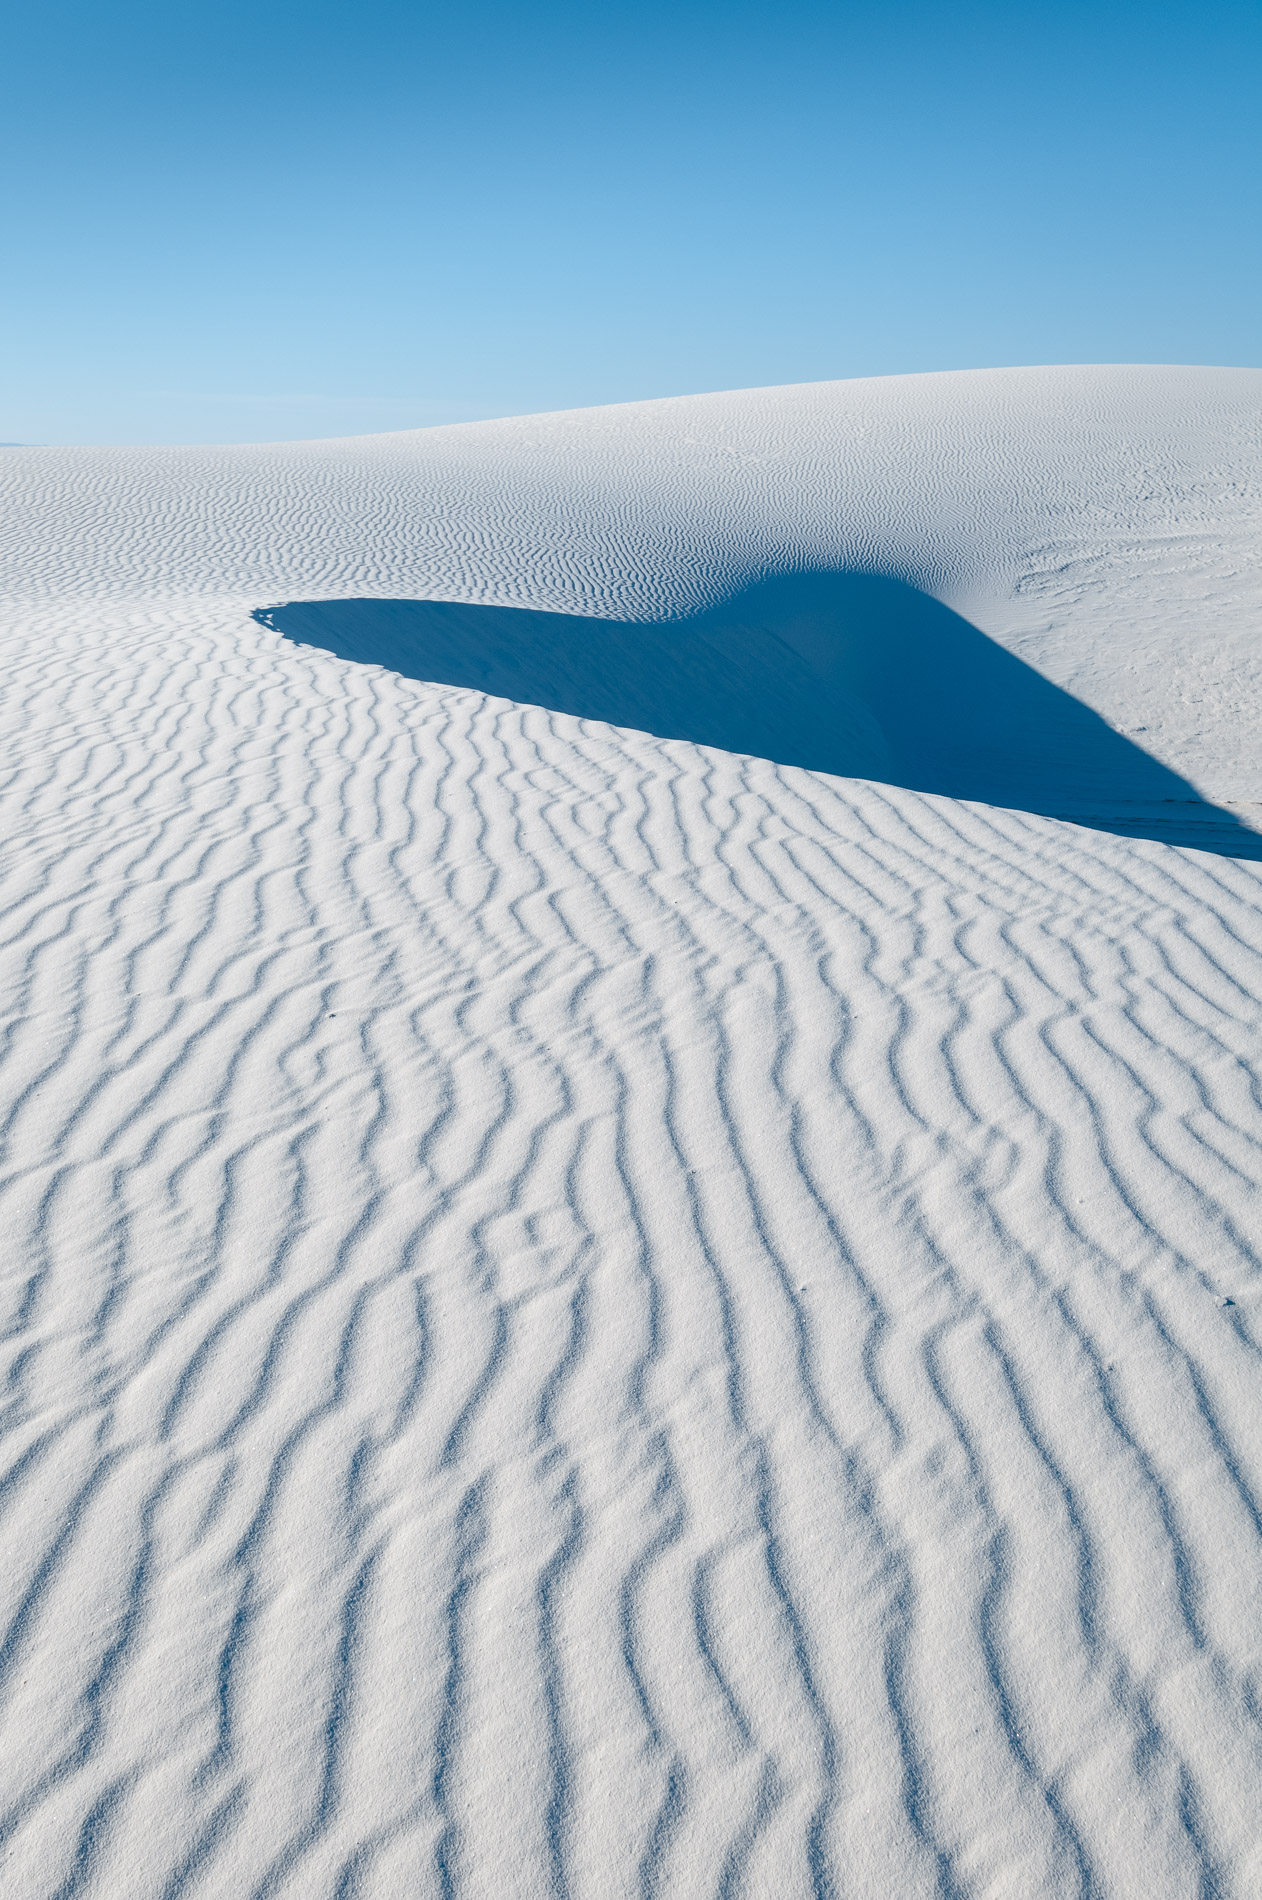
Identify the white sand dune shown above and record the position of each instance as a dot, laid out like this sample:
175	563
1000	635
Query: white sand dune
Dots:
588	1313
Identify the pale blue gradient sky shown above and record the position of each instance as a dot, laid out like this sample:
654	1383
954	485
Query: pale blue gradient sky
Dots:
271	220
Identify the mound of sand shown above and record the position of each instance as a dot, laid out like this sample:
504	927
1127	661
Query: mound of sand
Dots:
631	1267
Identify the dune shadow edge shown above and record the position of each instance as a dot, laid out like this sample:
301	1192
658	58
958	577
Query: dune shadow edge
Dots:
851	673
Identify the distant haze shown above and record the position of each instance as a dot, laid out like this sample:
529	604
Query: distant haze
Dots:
269	221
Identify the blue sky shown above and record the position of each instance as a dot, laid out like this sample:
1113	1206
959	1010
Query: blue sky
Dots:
268	220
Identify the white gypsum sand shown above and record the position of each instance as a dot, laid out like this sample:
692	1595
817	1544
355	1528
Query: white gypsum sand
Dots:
590	1313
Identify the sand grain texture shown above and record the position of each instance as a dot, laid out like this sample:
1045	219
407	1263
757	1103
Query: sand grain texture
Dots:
593	1315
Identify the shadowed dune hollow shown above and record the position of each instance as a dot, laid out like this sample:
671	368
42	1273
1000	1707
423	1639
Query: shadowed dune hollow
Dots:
852	673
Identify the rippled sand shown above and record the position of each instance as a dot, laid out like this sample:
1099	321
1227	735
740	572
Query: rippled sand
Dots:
587	1314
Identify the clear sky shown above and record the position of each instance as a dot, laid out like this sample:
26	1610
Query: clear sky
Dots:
266	219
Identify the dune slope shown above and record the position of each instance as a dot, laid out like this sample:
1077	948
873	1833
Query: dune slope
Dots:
596	1309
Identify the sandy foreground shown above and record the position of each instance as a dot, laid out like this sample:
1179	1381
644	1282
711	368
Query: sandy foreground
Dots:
588	1312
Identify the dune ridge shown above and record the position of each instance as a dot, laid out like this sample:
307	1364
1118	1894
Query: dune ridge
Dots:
588	1314
856	674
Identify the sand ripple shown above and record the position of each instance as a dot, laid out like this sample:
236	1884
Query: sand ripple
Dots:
587	1316
590	1317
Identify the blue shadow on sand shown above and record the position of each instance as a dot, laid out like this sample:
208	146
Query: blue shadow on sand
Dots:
852	673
